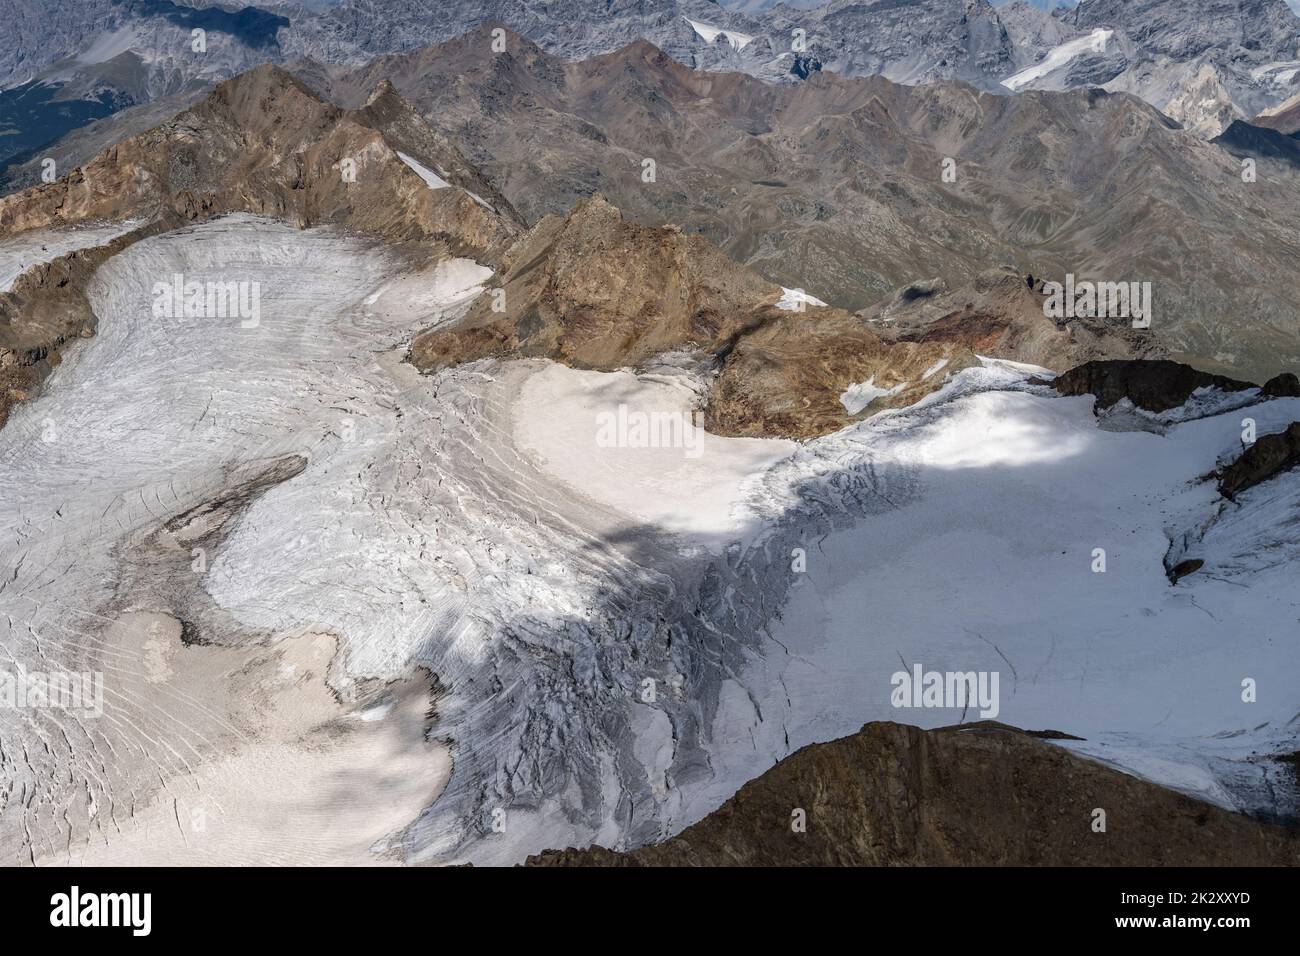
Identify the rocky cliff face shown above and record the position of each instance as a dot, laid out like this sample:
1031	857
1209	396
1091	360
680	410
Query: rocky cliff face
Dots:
596	291
264	143
975	795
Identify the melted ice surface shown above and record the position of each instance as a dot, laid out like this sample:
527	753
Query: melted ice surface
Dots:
20	253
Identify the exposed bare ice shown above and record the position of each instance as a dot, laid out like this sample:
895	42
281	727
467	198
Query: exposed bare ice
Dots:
20	253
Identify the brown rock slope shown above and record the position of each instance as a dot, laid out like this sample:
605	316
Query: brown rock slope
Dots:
1266	458
263	143
593	290
981	794
786	377
1000	313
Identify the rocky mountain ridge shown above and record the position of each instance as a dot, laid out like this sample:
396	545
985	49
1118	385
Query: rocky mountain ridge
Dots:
980	794
64	63
855	188
595	291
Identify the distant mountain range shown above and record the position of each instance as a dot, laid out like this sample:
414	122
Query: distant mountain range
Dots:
834	184
66	63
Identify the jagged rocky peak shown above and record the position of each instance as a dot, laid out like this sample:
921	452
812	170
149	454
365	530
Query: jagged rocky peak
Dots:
385	96
1204	63
599	290
263	142
1183	30
593	289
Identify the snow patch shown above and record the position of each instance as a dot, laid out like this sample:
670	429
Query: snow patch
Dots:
28	249
1058	57
709	33
857	397
431	179
796	300
435	181
936	367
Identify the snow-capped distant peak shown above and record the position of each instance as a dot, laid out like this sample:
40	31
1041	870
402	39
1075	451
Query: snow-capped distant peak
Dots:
1058	57
709	33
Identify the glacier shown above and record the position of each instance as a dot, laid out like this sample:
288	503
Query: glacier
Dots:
606	642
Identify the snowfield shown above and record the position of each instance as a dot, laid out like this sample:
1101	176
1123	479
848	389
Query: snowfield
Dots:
226	520
982	560
1058	57
709	33
154	417
857	397
691	485
431	179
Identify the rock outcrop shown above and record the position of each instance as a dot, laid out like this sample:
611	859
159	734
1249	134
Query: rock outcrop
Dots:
786	378
974	795
594	290
1285	385
1154	385
1268	457
1000	313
